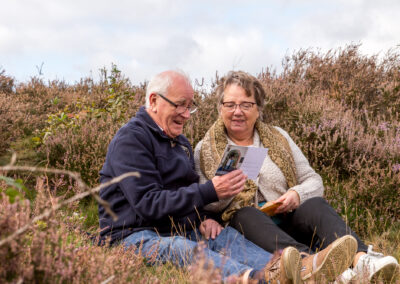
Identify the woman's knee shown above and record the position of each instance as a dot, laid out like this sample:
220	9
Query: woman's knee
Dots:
311	206
249	216
314	202
244	214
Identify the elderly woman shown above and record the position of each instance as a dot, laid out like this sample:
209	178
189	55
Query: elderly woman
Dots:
304	219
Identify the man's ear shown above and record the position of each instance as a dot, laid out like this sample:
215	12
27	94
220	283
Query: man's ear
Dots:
152	101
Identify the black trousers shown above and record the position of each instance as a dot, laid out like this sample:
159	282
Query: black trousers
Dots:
313	225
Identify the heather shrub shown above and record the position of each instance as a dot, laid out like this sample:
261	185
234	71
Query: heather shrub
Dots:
77	138
82	150
55	250
24	112
13	215
202	119
340	107
6	83
328	103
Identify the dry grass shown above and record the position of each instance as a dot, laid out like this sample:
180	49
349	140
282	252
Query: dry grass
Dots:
341	108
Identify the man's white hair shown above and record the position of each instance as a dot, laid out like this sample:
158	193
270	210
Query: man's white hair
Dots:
161	82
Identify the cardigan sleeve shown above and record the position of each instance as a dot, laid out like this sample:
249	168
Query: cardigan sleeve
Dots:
203	178
309	182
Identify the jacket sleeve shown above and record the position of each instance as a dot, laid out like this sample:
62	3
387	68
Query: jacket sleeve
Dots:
309	182
217	206
133	151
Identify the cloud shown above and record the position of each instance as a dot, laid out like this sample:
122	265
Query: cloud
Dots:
224	50
348	22
76	37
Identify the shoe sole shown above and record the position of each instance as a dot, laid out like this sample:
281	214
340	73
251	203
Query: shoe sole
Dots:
390	273
337	260
292	263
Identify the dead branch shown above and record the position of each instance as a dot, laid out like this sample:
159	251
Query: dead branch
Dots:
108	280
76	176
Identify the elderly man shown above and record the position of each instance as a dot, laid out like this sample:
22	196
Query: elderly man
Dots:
162	211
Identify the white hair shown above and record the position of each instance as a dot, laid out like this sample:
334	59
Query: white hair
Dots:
161	82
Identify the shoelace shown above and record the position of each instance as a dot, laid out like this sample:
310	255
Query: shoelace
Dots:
273	269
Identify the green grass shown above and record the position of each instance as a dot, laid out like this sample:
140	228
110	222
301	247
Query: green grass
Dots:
340	108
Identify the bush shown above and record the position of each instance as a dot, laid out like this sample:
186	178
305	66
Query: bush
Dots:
6	83
341	108
56	250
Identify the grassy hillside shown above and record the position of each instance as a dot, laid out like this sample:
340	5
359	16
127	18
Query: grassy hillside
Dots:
342	108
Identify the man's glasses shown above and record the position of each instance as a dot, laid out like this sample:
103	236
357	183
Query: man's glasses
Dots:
231	106
181	108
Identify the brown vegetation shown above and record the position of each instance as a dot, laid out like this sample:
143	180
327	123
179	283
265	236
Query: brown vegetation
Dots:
341	108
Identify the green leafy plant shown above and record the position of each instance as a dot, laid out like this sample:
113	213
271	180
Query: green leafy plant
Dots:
16	189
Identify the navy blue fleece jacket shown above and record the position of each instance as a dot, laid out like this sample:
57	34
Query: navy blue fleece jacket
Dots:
167	194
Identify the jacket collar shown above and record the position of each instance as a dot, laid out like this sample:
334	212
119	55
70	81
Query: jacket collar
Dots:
152	125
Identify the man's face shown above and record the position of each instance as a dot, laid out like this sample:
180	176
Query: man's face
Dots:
165	115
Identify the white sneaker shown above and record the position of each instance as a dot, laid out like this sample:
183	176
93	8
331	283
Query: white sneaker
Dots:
374	265
346	277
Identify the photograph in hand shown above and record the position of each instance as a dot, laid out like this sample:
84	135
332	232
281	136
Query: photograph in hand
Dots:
248	159
231	161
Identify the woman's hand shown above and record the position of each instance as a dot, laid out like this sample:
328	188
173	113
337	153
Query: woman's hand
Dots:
290	201
210	228
229	184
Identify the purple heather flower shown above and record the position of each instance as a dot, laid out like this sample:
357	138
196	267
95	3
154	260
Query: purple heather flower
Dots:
312	128
396	168
384	126
397	140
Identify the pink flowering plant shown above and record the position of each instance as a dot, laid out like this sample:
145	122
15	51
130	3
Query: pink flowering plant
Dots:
341	107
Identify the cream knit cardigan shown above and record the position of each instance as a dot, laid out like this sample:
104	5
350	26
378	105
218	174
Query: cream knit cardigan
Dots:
271	182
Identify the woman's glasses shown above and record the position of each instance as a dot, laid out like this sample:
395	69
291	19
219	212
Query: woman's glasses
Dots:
244	106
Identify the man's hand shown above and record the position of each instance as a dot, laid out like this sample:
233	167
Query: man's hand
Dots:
229	184
210	228
290	201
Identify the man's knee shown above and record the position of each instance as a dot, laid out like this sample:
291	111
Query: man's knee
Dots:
177	249
229	231
140	239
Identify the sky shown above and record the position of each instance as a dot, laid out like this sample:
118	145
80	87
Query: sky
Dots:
73	39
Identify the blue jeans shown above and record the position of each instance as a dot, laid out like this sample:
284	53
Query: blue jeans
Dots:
229	251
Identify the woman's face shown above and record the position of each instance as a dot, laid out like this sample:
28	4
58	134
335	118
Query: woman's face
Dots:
238	122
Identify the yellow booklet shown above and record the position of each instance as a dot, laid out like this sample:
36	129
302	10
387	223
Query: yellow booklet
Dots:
270	207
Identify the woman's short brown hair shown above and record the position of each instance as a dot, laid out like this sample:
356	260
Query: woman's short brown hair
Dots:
249	83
